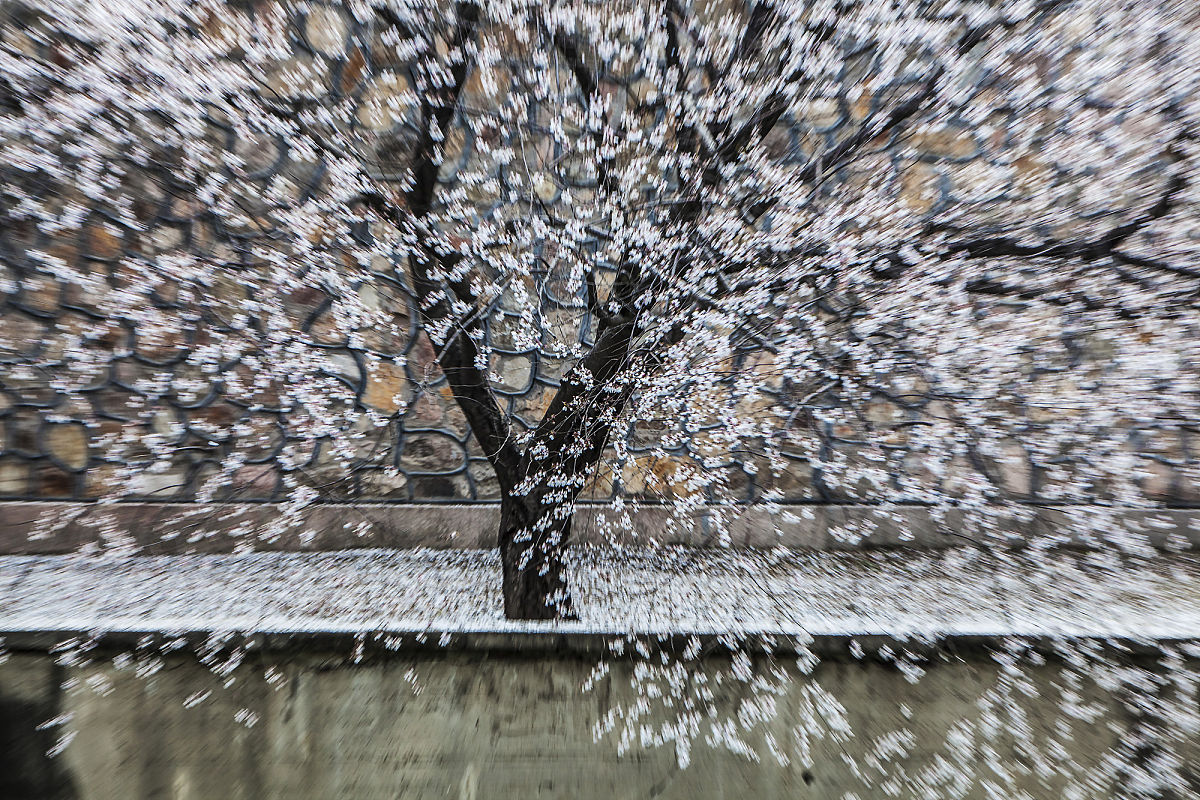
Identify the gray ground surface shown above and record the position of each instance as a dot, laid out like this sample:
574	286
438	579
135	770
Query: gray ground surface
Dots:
947	593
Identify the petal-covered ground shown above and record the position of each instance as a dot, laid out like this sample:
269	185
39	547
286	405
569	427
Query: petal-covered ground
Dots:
890	593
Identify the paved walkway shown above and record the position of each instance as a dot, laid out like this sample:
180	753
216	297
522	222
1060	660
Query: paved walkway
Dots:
895	594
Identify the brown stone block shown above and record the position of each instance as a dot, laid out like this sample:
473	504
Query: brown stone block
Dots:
352	70
101	242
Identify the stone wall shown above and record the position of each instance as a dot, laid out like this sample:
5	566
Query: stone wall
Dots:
57	444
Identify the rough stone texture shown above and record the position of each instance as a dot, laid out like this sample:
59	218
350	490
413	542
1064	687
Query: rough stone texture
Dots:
495	725
326	29
67	444
40	319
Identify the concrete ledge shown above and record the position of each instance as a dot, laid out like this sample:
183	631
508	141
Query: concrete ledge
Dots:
384	645
176	528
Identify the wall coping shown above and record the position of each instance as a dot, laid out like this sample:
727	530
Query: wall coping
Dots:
154	528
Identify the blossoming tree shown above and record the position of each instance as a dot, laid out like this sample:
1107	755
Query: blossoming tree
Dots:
898	240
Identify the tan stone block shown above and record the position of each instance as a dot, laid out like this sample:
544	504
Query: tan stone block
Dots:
384	483
919	189
820	112
533	405
431	452
1031	173
599	485
1015	469
882	412
68	444
387	101
299	77
1158	479
41	292
103	480
387	388
946	142
14	477
326	30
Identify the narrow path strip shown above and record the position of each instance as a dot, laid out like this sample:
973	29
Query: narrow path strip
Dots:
922	595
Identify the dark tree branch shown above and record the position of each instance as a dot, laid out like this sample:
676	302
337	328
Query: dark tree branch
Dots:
569	47
674	15
438	107
1087	250
588	87
459	356
995	288
1161	266
685	135
10	102
839	154
751	42
392	19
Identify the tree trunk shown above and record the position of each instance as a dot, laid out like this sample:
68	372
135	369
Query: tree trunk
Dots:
535	586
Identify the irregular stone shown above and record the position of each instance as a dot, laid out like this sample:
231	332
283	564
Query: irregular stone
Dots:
102	480
326	30
168	237
919	189
515	372
546	189
422	361
793	482
658	476
68	444
1031	173
1015	469
21	333
455	147
352	71
386	102
101	242
388	389
946	142
454	421
384	483
861	106
14	477
1158	480
483	475
821	112
255	481
431	452
441	487
533	404
53	482
41	292
427	411
599	485
298	77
